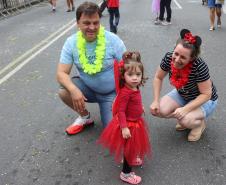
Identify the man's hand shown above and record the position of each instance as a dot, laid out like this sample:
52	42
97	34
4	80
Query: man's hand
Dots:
78	100
126	133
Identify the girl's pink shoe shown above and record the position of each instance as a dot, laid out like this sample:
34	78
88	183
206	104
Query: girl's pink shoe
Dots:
130	178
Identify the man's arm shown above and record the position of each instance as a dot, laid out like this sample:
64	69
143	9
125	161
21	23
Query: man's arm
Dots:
63	77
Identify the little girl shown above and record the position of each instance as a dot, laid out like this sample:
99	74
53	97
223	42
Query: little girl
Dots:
126	136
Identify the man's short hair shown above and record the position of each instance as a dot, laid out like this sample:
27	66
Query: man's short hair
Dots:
87	8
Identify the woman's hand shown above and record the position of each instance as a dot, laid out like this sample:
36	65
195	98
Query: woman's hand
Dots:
179	113
155	108
126	133
78	100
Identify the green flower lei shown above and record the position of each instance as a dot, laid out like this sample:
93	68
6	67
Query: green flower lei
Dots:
96	67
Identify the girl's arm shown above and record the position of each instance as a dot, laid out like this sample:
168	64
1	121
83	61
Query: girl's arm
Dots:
123	103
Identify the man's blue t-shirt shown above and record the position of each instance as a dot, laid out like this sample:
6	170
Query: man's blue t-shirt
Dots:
102	82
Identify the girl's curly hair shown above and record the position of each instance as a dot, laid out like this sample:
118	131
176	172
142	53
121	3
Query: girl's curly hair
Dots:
131	60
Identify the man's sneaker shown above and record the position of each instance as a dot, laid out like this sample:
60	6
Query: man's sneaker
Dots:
165	23
79	124
130	178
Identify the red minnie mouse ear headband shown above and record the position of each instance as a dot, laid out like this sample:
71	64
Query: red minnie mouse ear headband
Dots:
192	39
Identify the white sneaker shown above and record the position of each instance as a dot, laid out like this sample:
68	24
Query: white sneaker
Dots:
157	21
79	124
165	23
83	120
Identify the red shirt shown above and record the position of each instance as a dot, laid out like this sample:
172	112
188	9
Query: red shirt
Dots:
130	106
113	3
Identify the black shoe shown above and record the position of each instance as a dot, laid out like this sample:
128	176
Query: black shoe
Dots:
73	8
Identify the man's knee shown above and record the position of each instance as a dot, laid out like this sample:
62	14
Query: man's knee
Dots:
63	94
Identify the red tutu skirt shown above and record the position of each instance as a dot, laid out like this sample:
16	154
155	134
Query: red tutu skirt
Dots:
138	145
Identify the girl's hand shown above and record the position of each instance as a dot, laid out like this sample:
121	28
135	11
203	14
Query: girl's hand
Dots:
143	110
126	133
179	113
155	108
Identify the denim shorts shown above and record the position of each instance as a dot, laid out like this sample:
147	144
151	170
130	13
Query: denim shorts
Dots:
104	100
212	4
207	107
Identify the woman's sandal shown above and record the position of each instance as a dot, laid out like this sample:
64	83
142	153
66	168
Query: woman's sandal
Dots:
130	178
179	127
212	28
218	23
197	135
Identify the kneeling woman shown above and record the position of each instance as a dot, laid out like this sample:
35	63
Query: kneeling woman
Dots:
194	97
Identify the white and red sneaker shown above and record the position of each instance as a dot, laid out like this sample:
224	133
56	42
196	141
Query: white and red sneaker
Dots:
79	124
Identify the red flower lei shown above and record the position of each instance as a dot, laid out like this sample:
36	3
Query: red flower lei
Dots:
179	77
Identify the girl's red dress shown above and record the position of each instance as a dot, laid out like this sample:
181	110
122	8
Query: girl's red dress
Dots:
127	112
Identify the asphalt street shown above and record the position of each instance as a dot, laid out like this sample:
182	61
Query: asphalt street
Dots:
34	149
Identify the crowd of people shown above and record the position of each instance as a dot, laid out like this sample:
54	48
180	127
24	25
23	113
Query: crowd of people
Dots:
111	76
159	7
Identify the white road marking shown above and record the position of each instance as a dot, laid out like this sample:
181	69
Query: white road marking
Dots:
178	5
29	52
47	42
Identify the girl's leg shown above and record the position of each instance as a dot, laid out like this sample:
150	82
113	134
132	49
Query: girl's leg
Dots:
212	18
127	175
126	167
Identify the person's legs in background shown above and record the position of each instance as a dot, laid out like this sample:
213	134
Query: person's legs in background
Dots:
212	9
162	9
218	12
117	17
111	19
53	3
103	6
70	5
168	11
212	18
